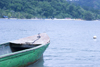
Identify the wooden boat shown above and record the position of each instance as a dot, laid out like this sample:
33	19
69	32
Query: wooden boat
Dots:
24	51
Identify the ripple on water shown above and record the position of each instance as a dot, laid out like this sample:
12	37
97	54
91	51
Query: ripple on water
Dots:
71	42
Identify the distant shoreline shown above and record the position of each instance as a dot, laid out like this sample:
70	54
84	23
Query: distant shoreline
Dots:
40	19
49	19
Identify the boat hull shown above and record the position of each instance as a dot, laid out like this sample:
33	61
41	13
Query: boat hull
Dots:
23	58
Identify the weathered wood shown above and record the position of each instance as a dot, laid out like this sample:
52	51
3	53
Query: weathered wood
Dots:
33	40
23	51
22	58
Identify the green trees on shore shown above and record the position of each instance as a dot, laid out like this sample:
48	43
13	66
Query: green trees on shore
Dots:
94	4
44	9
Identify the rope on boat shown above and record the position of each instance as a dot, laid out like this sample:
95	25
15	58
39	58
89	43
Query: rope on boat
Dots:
37	37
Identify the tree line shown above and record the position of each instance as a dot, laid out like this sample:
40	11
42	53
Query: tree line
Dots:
44	9
93	4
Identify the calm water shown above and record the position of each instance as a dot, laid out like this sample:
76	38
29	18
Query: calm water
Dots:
72	43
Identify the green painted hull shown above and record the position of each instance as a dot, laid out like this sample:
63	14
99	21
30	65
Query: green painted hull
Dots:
22	58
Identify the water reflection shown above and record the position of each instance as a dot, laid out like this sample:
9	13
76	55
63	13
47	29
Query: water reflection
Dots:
5	49
39	63
94	39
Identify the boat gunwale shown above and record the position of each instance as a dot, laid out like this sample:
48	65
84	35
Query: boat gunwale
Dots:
22	51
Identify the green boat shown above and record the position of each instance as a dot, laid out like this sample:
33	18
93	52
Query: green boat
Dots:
23	52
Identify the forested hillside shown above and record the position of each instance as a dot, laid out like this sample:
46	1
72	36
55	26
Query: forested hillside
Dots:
44	9
90	3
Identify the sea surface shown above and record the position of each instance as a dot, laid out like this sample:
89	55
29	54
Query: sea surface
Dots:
71	41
